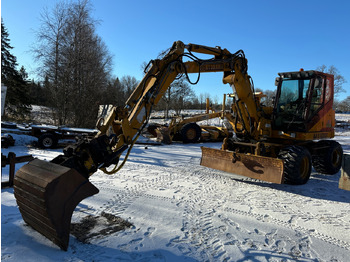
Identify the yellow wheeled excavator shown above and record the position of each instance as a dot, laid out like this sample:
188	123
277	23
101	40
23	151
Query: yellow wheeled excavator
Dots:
276	144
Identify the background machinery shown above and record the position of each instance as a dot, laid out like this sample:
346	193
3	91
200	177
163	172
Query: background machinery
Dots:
187	130
272	144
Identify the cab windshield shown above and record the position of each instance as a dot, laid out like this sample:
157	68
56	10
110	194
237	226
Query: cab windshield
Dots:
291	103
293	91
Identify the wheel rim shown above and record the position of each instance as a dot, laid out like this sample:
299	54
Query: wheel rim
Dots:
191	134
336	159
304	167
47	142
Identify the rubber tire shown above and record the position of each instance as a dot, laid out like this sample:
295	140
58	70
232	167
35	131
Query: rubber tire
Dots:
328	161
47	140
296	164
191	133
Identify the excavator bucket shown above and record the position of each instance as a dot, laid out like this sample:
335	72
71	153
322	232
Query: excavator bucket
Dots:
258	167
47	194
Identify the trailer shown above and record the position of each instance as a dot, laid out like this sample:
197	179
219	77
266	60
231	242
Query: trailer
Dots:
48	136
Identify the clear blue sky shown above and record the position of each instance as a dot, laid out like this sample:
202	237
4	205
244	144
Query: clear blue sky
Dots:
276	36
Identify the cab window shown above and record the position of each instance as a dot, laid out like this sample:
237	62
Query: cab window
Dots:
317	95
293	94
328	91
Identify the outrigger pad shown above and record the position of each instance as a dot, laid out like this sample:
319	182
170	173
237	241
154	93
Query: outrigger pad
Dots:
259	167
47	195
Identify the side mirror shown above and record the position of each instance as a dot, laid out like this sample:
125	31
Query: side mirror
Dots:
277	81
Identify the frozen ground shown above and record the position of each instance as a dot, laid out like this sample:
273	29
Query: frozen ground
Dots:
181	211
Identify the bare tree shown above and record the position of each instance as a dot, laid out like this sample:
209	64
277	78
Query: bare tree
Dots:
269	99
88	64
215	102
343	106
182	93
178	95
128	84
203	98
339	80
50	38
75	61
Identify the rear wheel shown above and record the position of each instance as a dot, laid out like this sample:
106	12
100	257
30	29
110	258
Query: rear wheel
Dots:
191	133
327	157
47	140
296	165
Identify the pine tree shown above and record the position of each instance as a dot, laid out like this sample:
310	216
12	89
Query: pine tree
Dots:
8	61
17	99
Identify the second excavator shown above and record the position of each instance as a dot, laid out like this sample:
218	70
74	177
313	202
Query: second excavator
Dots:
277	144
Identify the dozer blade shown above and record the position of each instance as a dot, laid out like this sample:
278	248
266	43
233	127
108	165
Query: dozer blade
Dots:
47	195
258	167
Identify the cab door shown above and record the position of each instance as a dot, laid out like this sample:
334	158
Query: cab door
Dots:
320	115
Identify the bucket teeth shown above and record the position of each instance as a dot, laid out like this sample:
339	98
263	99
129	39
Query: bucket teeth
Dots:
47	194
257	167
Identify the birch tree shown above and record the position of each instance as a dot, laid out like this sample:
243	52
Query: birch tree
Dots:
75	61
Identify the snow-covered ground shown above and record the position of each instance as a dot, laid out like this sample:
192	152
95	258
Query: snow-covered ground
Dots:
181	211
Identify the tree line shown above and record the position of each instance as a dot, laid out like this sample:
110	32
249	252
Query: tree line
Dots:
75	72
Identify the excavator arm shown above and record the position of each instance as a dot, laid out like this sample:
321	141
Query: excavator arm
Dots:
48	192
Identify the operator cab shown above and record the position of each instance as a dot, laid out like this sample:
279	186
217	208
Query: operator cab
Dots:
300	99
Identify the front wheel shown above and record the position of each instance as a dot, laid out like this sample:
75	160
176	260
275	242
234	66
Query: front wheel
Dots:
327	157
296	164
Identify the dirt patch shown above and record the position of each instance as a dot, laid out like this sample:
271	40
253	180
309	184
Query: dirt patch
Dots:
94	227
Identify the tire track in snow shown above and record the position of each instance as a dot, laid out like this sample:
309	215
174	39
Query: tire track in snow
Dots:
291	223
190	186
200	234
294	206
313	233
